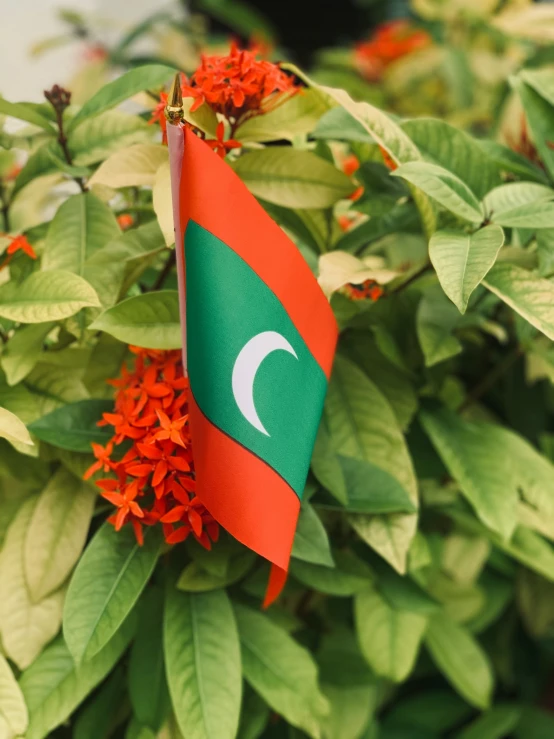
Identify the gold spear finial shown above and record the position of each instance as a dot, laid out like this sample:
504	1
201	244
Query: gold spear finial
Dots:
174	107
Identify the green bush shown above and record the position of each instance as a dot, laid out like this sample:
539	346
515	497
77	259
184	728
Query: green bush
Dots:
420	599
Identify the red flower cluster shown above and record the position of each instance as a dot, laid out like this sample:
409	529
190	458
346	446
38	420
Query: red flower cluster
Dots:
18	243
368	290
238	86
390	42
154	480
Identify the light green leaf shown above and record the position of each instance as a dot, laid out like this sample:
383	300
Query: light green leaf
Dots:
492	489
351	709
82	226
293	178
150	320
341	581
135	166
389	637
23	351
461	659
46	296
436	318
533	216
297	115
74	426
13	429
26	112
105	586
449	147
462	260
124	87
12	704
25	627
532	297
203	661
56	533
96	139
440	184
53	687
362	425
497	723
147	682
203	118
162	202
281	671
311	543
382	129
337	123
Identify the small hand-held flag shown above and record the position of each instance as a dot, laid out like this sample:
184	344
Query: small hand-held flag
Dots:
258	344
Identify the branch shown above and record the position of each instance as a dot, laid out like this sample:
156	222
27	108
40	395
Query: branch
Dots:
166	270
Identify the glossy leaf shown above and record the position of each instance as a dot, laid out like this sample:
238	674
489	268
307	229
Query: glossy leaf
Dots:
532	297
135	166
46	296
461	659
105	586
297	115
202	654
13	429
311	543
12	704
293	178
23	351
463	260
150	320
74	426
56	533
26	112
280	670
447	189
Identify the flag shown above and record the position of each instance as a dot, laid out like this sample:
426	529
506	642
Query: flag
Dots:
260	340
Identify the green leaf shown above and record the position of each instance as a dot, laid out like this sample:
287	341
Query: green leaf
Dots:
26	112
202	655
532	297
361	425
372	489
351	709
13	710
280	670
54	686
535	724
461	659
535	599
147	682
435	711
23	351
436	318
82	226
297	115
105	586
25	627
339	124
508	160
254	715
340	581
135	166
13	429
56	533
46	296
97	138
149	76
74	426
96	719
195	579
447	189
449	147
539	115
389	637
293	178
311	543
462	260
151	320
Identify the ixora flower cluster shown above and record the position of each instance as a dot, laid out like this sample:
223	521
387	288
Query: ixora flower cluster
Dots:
391	41
153	481
17	243
237	86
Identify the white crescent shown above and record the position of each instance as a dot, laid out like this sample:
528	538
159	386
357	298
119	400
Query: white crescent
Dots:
245	368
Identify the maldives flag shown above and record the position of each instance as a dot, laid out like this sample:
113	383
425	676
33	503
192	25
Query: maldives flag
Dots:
260	338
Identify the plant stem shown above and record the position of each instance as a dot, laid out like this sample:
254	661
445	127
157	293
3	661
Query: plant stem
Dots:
421	271
491	377
62	140
166	270
5	208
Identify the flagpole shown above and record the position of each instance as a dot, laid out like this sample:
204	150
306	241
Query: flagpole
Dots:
175	141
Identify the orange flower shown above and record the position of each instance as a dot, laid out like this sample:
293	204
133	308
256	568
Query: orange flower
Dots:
155	482
158	116
350	164
387	159
222	147
368	290
125	221
18	243
390	42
